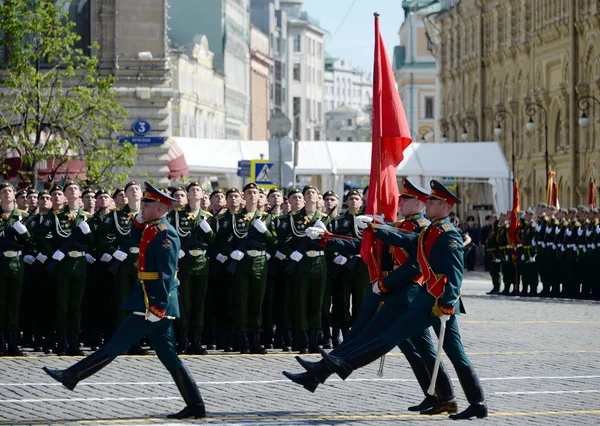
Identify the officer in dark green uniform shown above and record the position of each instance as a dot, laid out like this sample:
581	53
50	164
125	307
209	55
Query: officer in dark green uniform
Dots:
70	238
527	255
440	255
331	203
491	246
153	304
307	268
505	252
550	278
14	237
244	238
195	229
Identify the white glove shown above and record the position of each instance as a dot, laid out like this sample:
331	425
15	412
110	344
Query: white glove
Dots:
543	245
106	258
362	221
279	255
314	233
548	230
205	227
237	255
563	249
588	233
534	242
444	318
580	231
181	253
296	256
598	229
119	255
20	228
375	288
89	257
41	258
523	257
497	260
221	258
319	224
556	230
29	259
532	259
538	228
151	317
340	260
268	256
85	228
593	245
58	255
506	258
568	232
260	226
379	217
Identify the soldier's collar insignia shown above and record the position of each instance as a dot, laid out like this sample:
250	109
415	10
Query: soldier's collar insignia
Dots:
162	226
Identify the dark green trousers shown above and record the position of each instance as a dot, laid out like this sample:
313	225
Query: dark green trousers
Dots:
11	286
352	288
308	289
249	285
69	279
496	274
124	282
193	284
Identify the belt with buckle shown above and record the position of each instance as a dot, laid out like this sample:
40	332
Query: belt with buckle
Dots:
134	250
143	314
255	253
196	253
314	253
11	253
76	253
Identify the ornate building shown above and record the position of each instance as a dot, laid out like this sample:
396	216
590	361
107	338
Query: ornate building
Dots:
260	79
526	67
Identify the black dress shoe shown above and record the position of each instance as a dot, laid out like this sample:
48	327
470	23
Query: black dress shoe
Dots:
493	291
68	379
428	402
474	410
304	379
450	407
191	411
137	350
286	349
211	347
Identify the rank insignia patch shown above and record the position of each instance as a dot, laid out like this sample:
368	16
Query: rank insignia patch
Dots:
162	227
166	245
453	245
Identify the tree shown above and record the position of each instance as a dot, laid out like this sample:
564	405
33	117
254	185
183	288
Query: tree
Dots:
55	104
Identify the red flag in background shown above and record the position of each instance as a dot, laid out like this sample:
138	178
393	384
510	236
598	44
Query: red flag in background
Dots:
592	194
514	224
391	136
552	190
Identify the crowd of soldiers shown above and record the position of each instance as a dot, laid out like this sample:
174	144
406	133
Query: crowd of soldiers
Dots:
250	279
558	247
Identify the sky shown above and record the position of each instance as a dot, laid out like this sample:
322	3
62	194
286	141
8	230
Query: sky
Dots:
352	38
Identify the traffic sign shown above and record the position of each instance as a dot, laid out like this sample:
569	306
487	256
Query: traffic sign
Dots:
243	168
450	183
261	172
141	127
143	141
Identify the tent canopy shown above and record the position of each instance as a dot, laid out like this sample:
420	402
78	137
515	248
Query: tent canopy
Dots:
461	160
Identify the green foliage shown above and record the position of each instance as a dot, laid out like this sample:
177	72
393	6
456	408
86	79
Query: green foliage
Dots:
55	104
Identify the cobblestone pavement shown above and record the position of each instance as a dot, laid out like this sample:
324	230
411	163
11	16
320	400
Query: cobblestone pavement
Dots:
538	360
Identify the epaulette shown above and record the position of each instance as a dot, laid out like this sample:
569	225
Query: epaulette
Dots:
264	214
220	216
294	213
324	215
162	227
23	211
577	223
421	222
555	221
208	214
447	227
118	209
565	222
546	218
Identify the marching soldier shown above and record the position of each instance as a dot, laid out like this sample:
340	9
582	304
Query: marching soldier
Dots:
195	229
14	237
307	267
70	236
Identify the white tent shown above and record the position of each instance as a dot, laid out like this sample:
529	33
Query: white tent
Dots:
477	161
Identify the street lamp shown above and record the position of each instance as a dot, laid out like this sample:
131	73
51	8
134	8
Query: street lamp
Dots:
531	110
499	131
465	123
424	132
584	105
445	128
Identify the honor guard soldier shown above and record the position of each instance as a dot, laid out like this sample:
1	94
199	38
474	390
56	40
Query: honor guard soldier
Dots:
21	200
195	229
32	201
331	203
154	304
491	246
68	237
14	237
527	254
589	272
307	267
440	257
244	238
505	251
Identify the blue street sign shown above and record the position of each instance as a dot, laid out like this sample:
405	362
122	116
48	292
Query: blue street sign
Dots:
243	169
143	141
261	172
141	127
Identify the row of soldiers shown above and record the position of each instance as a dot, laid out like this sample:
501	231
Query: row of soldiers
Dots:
250	279
558	247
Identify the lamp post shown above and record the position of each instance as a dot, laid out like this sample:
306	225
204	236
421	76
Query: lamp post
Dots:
500	117
465	123
423	132
585	103
445	128
531	110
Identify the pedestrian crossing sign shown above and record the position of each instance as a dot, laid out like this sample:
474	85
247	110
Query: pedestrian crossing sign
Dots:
261	171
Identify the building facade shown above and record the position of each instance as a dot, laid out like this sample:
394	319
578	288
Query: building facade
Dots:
198	106
306	83
415	72
226	24
346	86
347	124
260	67
518	65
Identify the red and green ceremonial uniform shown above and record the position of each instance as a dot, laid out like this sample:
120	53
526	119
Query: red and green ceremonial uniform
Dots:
12	245
193	272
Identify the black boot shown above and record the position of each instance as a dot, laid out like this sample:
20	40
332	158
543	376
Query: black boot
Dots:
228	341
445	401
137	349
255	347
317	370
74	347
2	343
80	371
191	395
335	338
61	343
304	379
343	368
243	342
300	342
287	340
313	345
182	341
327	340
196	346
474	393
13	344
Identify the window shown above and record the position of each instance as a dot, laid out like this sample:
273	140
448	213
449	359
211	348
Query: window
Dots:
350	139
296	106
308	108
337	138
79	13
349	122
429	107
296	72
297	43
